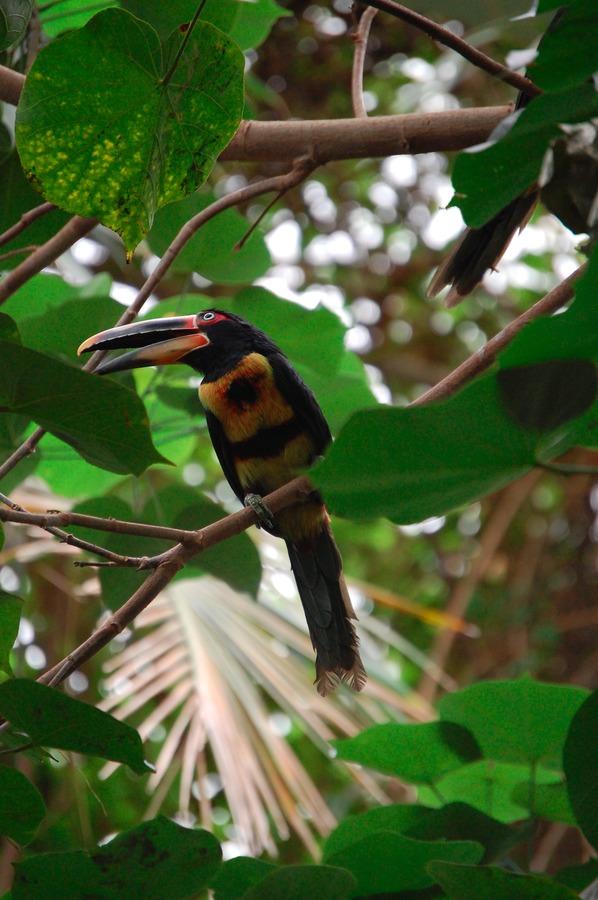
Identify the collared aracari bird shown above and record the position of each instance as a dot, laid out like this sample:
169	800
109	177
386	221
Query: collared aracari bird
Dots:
265	425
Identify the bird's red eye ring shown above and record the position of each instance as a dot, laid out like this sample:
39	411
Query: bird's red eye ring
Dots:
205	317
209	317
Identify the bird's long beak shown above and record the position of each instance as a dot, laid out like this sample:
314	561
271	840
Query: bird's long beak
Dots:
158	342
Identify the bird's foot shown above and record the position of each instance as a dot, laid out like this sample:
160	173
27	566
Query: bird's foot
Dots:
266	518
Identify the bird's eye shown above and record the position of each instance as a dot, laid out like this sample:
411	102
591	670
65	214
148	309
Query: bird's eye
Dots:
207	316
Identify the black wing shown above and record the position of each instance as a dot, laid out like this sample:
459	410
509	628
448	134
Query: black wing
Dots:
302	399
223	452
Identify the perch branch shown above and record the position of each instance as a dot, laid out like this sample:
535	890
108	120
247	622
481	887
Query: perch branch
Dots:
172	562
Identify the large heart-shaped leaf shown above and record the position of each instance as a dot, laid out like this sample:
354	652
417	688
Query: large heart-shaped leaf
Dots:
113	125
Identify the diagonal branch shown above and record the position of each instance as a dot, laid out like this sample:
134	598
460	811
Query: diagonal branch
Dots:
78	226
484	358
45	255
451	40
27	219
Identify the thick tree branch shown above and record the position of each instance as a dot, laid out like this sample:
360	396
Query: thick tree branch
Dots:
333	139
11	85
377	136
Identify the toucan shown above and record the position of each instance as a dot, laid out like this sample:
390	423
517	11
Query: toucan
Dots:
265	425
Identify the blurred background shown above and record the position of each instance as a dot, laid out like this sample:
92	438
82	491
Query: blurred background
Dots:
518	570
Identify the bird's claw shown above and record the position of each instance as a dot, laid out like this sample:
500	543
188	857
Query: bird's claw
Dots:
266	519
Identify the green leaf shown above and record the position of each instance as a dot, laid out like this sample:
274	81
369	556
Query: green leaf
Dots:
68	15
165	17
464	882
399	817
520	721
45	292
103	135
567	52
341	393
486	180
211	251
104	422
238	875
11	608
14	19
415	753
12	429
313	338
461	822
22	808
412	463
299	882
578	877
36	878
52	719
118	584
580	762
388	862
67	473
571	334
156	860
254	21
545	395
549	801
236	561
8	329
159	859
488	786
60	329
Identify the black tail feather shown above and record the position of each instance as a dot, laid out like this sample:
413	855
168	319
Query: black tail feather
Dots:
328	611
480	249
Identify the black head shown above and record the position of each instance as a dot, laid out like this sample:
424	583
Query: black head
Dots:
211	342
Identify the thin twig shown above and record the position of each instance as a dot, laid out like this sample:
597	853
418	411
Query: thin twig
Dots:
448	39
484	358
48	520
76	228
187	35
500	519
18	251
360	38
279	184
24	450
18	514
27	219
